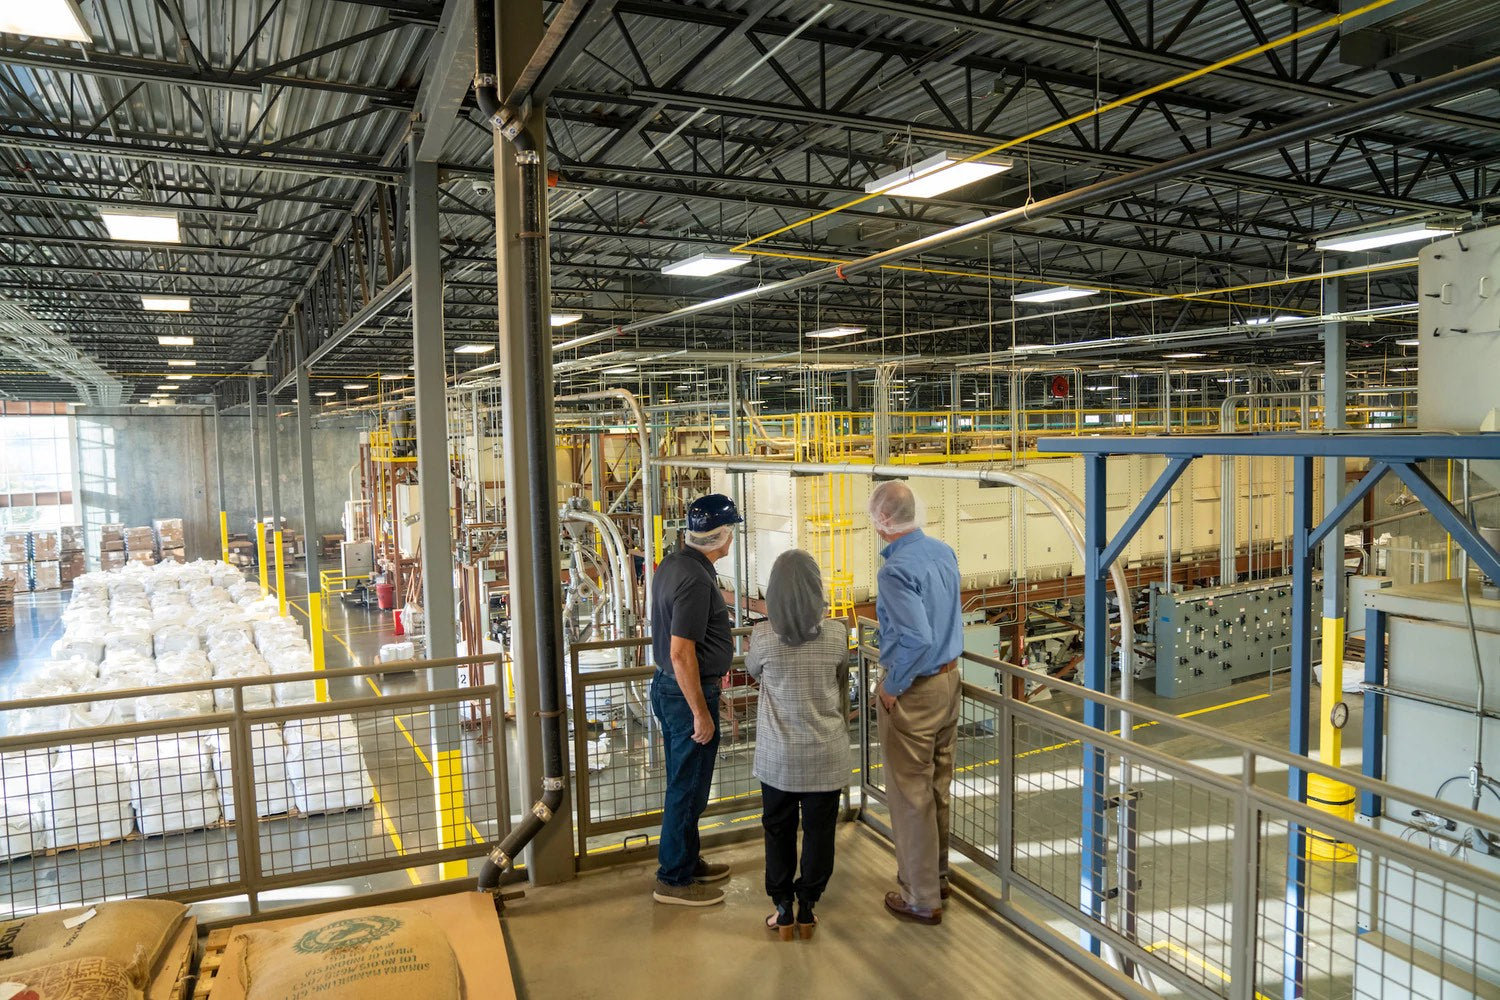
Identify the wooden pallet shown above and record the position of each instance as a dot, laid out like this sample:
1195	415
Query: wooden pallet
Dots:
208	966
7	605
172	978
52	852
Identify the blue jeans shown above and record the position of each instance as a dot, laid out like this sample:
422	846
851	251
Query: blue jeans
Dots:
690	775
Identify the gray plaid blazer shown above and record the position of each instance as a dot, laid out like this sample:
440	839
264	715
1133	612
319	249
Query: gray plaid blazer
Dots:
802	726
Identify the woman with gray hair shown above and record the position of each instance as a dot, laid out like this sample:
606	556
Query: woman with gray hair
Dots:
801	660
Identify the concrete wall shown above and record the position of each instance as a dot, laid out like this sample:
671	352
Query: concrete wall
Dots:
136	464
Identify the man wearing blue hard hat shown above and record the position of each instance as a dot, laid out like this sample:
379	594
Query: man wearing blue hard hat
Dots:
692	647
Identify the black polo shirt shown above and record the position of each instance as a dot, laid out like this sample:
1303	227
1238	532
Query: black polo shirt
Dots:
686	602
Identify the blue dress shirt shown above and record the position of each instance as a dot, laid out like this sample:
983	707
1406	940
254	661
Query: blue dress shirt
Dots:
921	627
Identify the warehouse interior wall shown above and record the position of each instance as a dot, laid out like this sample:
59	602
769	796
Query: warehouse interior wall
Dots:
137	464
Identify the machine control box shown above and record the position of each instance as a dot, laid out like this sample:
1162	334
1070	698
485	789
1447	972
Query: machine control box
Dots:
1210	638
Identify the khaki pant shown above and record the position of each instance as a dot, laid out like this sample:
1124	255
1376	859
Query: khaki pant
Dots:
917	736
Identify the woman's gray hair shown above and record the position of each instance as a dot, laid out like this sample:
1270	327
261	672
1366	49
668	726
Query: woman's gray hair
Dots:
794	598
707	541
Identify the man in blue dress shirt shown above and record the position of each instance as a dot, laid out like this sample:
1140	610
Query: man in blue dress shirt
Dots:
921	637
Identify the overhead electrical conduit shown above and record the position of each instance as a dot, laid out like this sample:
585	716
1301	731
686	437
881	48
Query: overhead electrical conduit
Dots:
1431	91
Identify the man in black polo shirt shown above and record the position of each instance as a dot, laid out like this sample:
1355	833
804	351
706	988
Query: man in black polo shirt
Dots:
692	648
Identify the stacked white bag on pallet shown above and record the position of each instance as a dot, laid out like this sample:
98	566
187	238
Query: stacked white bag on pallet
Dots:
79	643
286	652
123	640
21	831
88	799
273	795
325	766
56	679
25	781
173	788
176	638
398	652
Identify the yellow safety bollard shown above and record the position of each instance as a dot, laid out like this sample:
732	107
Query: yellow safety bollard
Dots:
1330	738
315	628
224	534
656	528
449	773
260	543
280	575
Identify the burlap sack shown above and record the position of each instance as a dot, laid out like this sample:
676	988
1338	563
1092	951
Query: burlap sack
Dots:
79	979
374	954
131	934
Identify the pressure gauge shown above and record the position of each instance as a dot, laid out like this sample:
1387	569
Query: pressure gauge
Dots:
1339	715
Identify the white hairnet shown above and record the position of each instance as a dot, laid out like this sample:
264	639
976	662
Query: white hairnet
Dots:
794	597
707	541
893	508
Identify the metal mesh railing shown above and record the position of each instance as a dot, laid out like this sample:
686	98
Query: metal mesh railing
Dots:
241	801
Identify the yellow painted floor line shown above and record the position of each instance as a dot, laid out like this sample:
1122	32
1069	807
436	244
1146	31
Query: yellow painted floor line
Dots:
1203	963
390	831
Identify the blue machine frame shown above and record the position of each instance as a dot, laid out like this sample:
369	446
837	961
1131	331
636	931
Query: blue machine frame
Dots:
1389	453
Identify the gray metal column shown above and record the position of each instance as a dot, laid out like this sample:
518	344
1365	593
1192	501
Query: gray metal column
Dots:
219	455
1335	353
737	494
309	507
250	383
527	388
432	415
274	541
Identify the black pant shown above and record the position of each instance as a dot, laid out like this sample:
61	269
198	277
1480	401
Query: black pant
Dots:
820	813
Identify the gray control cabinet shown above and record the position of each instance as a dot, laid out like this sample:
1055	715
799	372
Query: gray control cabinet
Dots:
1210	638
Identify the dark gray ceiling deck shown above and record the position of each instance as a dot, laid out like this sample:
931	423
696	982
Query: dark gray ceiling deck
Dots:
277	128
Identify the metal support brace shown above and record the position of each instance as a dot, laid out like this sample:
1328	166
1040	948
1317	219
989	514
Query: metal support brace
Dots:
1372	753
1485	557
1092	888
1145	507
1294	946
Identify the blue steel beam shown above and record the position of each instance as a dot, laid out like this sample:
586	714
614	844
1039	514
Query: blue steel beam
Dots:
1092	888
1452	521
1354	496
1295	923
1176	466
1354	444
1373	751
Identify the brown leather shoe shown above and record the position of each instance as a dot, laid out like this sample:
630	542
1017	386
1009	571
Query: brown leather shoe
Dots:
897	904
945	889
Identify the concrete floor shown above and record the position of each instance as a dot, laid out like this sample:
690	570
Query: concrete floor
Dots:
621	944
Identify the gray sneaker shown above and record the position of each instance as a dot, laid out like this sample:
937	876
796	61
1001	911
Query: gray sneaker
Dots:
687	895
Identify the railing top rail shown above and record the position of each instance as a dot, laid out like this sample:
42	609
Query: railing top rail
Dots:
1388	445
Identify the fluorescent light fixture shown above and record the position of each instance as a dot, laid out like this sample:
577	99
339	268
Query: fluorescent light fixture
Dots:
822	399
356	385
563	319
178	378
935	175
142	227
1413	342
1058	294
834	332
167	303
1100	388
981	395
392	376
181	363
1403	369
1385	236
174	341
473	348
1306	364
168	387
59	19
1130	375
1267	320
325	394
705	264
620	370
1184	355
796	388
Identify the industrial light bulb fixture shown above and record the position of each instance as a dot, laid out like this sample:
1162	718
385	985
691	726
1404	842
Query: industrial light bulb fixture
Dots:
834	332
178	378
1385	236
1412	342
142	227
181	363
563	319
167	303
1058	294
174	341
473	348
356	385
59	19
936	175
706	264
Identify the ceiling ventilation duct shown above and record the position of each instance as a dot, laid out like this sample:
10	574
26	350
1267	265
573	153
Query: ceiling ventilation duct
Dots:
32	342
1424	37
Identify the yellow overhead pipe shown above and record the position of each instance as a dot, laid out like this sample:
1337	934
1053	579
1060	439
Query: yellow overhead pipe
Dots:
1120	102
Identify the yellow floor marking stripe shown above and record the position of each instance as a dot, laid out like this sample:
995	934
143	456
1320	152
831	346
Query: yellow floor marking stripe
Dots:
390	831
1206	965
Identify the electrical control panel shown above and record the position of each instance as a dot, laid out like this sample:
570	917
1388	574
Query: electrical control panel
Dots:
1209	638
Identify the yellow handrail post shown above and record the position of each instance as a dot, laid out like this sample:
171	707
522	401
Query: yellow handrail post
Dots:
315	631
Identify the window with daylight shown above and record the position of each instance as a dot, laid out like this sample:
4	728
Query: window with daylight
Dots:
36	466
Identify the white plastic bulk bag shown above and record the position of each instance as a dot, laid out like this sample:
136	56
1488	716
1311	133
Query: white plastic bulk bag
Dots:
78	645
128	640
25	774
268	763
176	639
20	830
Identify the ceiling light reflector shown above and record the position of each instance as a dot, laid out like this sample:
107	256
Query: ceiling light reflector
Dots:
473	348
1058	294
936	175
142	227
174	341
167	303
59	19
834	332
1184	355
1385	236
563	319
705	264
182	363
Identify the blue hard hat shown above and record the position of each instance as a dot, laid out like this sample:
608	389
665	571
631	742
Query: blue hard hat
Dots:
712	511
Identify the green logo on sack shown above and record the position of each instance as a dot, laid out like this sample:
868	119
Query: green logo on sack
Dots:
351	933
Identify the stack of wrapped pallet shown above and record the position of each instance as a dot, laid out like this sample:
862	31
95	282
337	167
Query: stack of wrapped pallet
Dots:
70	554
173	788
268	755
112	547
169	539
324	765
46	565
25	778
140	546
88	796
15	559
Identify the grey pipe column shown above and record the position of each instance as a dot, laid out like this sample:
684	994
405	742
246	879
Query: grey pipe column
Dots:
309	505
273	468
431	403
219	455
255	449
737	494
1335	357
